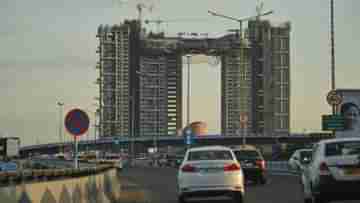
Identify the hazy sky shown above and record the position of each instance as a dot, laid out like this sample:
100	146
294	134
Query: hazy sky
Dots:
48	54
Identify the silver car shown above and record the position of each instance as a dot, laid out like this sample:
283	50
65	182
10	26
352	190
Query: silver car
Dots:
298	158
210	171
333	172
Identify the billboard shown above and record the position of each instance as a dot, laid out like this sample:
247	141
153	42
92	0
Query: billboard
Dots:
9	147
349	108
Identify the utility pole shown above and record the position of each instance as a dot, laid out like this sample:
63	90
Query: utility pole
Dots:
332	33
332	39
188	91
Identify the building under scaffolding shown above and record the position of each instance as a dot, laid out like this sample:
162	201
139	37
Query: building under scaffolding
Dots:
141	79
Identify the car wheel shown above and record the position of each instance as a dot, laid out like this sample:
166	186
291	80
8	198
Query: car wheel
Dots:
237	197
306	199
181	199
317	198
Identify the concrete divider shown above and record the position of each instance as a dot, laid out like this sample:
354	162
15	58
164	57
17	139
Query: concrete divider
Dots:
100	185
280	167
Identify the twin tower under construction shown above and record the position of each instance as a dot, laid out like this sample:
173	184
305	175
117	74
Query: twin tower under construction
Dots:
140	79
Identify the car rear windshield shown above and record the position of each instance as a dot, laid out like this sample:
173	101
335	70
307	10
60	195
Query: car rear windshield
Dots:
342	148
247	154
210	155
305	154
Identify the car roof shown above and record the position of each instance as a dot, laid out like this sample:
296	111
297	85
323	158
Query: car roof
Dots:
244	147
207	148
303	150
334	140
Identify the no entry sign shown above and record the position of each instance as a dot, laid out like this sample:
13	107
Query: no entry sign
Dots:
77	122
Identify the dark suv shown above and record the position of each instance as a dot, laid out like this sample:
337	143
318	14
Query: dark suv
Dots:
252	162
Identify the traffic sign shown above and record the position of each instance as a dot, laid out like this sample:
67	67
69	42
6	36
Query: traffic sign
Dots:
333	122
333	98
189	140
188	137
77	122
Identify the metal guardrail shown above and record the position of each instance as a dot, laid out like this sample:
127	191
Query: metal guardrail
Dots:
280	167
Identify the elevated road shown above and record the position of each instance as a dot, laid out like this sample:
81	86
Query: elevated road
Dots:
111	142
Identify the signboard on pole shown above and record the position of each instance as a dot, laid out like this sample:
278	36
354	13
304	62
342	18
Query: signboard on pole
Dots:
349	109
189	137
333	122
77	122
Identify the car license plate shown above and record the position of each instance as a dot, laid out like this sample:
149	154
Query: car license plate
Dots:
246	165
352	171
209	170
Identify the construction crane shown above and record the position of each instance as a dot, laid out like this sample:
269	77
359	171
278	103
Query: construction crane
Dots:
140	7
158	22
259	9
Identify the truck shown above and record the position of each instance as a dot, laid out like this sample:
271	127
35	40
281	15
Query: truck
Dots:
9	147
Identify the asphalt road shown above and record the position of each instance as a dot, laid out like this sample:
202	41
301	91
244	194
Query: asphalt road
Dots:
159	185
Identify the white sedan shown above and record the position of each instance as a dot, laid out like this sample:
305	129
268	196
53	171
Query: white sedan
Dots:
210	171
334	171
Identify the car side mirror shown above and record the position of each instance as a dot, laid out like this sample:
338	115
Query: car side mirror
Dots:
295	158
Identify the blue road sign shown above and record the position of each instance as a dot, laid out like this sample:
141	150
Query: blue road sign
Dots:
77	122
333	122
8	166
188	139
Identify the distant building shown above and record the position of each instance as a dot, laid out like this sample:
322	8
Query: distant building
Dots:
270	67
150	102
140	79
256	82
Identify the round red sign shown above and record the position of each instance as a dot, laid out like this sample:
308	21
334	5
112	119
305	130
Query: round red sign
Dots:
77	122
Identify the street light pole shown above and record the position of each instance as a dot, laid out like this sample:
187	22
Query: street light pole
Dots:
240	21
61	104
332	33
156	111
132	126
188	91
95	131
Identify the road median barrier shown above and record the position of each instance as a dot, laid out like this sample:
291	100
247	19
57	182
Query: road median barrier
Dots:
282	167
38	175
91	184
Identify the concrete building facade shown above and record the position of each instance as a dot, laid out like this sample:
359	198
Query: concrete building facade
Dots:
141	80
270	67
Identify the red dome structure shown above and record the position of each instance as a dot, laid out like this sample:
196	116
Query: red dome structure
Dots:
199	128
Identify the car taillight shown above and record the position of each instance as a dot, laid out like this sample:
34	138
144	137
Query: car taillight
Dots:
232	167
260	164
324	169
188	168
